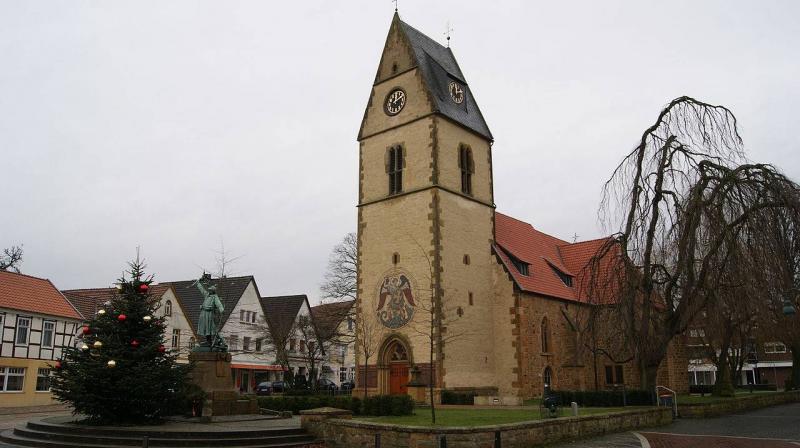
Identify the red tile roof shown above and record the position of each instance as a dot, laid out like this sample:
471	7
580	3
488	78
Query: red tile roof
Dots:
542	253
33	294
89	300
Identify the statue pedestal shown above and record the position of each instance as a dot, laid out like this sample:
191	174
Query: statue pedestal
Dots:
212	373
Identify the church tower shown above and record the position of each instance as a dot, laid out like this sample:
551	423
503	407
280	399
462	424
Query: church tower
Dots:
425	222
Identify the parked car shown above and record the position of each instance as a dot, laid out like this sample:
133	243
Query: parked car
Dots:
279	386
264	388
348	385
326	384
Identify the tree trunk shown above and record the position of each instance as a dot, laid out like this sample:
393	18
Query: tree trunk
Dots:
366	366
723	386
648	379
795	377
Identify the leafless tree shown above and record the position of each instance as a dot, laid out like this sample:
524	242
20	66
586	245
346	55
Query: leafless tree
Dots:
11	259
340	279
224	260
277	336
311	348
680	201
779	282
728	324
367	334
437	322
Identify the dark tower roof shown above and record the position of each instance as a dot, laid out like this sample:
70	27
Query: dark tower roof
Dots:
439	67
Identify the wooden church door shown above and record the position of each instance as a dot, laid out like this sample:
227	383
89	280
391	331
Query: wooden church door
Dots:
398	379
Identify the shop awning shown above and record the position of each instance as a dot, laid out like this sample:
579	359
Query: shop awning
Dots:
257	367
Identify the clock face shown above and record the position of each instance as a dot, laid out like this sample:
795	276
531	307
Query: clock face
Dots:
456	92
395	102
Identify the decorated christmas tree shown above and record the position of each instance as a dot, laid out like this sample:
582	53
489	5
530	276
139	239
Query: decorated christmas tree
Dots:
121	372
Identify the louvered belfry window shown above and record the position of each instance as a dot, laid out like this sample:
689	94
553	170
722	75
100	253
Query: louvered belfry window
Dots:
467	168
394	166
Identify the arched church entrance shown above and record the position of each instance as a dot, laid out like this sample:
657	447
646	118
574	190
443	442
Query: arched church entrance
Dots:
395	357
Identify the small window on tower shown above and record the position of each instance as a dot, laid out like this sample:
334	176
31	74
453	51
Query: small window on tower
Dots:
467	168
394	68
395	258
466	259
470	299
394	167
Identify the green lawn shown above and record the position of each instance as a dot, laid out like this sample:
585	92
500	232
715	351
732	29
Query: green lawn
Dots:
697	399
477	417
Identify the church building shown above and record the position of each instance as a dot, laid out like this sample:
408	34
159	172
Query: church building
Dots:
439	268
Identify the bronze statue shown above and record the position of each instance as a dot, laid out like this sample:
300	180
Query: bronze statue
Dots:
210	321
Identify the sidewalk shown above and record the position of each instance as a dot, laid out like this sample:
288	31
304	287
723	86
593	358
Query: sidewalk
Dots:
48	409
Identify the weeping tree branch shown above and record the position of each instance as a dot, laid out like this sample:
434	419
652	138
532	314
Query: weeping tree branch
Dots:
682	199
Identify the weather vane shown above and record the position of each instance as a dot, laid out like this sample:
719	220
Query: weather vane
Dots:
447	33
575	238
395	5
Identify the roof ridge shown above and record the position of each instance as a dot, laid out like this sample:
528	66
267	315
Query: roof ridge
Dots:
25	275
568	244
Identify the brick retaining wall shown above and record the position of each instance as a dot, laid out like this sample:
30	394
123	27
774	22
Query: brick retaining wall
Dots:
341	433
732	406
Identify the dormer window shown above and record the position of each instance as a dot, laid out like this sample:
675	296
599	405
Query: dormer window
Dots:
565	278
520	265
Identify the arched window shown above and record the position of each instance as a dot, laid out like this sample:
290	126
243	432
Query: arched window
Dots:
394	167
168	308
467	168
548	378
545	336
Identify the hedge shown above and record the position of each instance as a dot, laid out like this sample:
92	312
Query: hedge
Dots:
387	405
452	397
377	405
604	398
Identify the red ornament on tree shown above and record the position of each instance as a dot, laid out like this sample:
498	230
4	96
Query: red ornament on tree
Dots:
134	343
86	330
58	365
143	288
122	317
162	349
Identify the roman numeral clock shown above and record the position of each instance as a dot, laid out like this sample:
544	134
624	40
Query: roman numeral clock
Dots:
395	102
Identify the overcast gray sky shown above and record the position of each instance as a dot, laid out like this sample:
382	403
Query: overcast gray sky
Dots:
173	125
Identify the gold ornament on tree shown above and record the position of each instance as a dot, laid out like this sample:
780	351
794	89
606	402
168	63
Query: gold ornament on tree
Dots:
97	344
111	364
147	318
84	347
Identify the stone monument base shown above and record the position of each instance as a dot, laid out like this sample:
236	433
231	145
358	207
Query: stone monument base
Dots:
212	373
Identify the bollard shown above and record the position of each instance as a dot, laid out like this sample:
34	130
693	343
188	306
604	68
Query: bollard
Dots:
497	440
443	441
574	409
145	441
378	440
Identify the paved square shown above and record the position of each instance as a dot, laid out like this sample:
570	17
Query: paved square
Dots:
774	427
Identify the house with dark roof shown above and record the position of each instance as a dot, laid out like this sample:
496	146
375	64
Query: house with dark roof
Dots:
179	333
36	324
244	327
335	322
290	322
508	295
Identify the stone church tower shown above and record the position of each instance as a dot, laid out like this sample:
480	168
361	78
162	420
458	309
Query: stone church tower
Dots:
504	298
425	220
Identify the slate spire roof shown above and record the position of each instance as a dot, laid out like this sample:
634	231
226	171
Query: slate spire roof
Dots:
439	67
